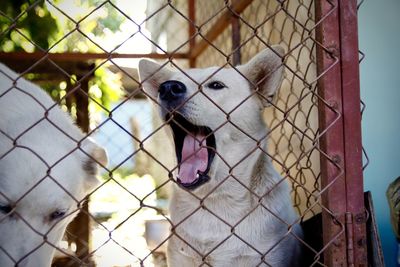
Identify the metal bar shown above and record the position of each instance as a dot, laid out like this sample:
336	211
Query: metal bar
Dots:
219	26
192	30
73	57
375	253
82	222
352	127
47	69
82	105
236	57
331	143
349	239
70	98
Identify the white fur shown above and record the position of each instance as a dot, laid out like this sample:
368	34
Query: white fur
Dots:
38	155
240	161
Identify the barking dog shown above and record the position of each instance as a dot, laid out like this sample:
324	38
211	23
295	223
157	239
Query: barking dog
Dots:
230	208
46	168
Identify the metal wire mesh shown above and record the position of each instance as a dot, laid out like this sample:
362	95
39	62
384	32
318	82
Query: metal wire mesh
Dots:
126	222
295	120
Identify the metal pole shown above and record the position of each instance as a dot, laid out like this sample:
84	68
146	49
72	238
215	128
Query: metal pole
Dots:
333	185
352	129
236	57
80	226
192	31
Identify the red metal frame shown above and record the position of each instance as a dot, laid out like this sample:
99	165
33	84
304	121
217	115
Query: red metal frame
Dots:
340	121
236	56
82	57
192	30
352	127
331	142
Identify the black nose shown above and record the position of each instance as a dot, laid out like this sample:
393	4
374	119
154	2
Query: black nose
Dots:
171	90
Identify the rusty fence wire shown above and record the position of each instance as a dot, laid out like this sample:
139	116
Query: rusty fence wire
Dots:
125	220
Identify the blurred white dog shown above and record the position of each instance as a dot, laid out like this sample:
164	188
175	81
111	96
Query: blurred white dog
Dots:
230	208
46	167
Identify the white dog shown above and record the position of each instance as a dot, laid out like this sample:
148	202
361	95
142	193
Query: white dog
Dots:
230	208
47	166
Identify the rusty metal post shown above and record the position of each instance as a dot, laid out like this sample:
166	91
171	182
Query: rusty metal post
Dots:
82	105
70	98
331	125
192	31
223	21
79	228
236	56
352	129
340	123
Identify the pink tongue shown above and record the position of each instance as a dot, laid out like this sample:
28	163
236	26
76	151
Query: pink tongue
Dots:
194	158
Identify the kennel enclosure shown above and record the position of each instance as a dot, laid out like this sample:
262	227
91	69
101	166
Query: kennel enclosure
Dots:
315	121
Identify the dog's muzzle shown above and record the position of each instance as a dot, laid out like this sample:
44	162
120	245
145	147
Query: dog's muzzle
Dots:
194	144
172	93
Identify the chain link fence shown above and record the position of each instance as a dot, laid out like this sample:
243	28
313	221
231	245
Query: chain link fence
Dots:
90	68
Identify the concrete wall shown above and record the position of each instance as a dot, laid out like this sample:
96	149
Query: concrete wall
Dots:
379	39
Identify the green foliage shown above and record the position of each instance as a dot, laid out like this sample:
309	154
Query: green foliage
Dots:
35	23
111	88
110	19
120	174
48	28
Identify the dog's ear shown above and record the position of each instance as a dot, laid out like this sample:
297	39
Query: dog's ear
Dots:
265	72
151	75
97	156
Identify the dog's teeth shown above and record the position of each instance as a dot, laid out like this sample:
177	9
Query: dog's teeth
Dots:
197	175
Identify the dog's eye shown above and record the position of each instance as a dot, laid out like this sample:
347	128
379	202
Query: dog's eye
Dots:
5	209
57	214
216	85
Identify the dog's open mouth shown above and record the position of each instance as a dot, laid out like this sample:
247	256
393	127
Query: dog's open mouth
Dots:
195	151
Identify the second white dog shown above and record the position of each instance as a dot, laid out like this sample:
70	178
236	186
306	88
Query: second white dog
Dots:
47	166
